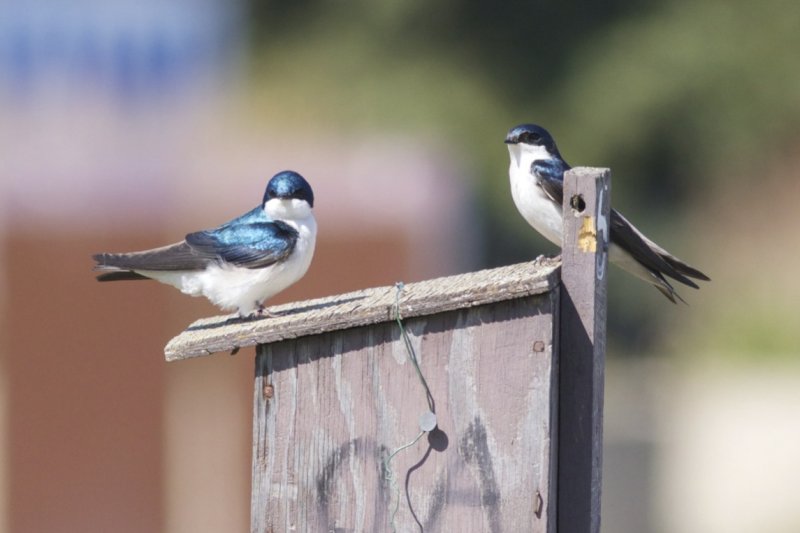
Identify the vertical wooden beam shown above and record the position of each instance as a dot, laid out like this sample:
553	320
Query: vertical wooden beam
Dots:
582	348
262	395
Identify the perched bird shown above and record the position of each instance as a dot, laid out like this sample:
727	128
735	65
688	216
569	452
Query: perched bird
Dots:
240	264
537	186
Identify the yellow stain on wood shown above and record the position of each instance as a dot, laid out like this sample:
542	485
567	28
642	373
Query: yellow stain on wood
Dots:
587	236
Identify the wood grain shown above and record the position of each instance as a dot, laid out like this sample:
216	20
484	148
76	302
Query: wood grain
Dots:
582	340
330	408
368	306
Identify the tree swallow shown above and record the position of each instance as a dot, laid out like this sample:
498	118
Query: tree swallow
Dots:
239	264
537	186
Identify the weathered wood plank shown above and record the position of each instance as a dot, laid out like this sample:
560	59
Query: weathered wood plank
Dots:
369	306
330	409
582	324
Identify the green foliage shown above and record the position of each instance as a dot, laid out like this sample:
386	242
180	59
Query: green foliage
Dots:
714	83
670	97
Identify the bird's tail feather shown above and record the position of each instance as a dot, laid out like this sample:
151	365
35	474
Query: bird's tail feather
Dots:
665	288
119	275
683	268
107	261
113	268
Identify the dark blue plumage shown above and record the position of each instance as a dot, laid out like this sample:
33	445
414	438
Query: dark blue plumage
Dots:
551	177
239	264
289	184
252	240
532	134
247	244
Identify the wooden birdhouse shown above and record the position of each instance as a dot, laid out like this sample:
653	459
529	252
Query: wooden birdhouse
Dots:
469	403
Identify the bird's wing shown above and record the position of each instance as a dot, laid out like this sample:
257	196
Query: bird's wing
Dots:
676	263
251	240
251	245
549	175
651	256
178	256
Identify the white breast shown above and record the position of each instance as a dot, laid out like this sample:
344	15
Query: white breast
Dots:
534	205
244	289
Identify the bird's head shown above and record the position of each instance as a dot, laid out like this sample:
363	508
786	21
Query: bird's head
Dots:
531	141
288	195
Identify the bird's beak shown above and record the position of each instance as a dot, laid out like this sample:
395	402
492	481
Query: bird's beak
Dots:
511	140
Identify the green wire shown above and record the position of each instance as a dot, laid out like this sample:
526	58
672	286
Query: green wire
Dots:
409	348
412	356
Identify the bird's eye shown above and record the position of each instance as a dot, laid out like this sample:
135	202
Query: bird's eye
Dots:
530	138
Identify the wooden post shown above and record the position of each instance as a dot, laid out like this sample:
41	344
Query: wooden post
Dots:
582	348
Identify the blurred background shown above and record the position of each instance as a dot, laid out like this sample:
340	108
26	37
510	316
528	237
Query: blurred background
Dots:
124	125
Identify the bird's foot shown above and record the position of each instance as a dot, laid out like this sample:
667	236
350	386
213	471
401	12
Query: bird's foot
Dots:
258	313
263	312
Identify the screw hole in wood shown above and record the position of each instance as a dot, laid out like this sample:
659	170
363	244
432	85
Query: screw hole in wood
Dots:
578	203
